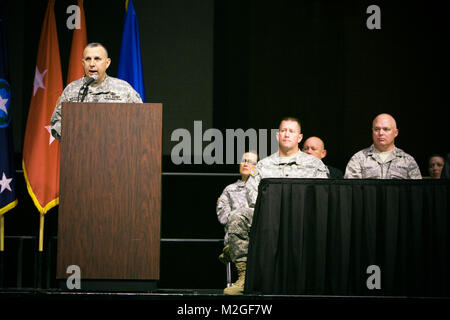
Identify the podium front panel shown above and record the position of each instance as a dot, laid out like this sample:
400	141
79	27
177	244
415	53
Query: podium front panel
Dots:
110	190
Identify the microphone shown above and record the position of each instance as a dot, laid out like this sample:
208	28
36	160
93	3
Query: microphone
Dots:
91	79
84	88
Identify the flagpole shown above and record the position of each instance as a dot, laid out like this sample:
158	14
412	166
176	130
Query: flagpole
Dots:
41	232
2	232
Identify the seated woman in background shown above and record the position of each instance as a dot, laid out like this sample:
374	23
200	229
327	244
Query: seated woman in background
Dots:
435	165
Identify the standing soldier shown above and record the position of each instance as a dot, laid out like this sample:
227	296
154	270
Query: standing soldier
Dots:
98	85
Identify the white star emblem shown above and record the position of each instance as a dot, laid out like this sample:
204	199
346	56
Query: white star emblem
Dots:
3	105
4	183
38	80
51	139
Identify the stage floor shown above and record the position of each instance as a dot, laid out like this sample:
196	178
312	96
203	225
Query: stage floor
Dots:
212	304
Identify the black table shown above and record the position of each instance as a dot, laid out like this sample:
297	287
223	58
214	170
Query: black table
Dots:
319	236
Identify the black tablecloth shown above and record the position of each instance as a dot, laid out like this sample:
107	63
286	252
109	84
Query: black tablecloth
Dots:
319	236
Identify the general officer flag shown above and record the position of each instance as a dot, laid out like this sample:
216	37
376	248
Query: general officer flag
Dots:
41	150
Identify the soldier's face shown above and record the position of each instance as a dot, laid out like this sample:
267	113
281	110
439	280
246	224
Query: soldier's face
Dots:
314	147
95	62
435	167
384	131
248	162
289	135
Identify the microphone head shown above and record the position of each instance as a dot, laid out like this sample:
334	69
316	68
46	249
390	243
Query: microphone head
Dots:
91	79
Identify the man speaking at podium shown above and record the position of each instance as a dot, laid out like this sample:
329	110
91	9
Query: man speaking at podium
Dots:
94	86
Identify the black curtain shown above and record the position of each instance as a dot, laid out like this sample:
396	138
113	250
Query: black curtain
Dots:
319	236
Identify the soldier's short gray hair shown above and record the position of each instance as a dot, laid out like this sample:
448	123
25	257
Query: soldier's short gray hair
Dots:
97	44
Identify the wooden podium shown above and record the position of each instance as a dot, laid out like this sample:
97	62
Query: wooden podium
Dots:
110	194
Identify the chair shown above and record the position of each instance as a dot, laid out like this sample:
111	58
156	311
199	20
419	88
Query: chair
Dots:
228	270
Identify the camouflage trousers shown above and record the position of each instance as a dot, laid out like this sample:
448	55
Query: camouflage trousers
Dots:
238	228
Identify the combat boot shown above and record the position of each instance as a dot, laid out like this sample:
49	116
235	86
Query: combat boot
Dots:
238	287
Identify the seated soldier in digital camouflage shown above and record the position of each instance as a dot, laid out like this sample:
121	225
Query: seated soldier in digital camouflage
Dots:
234	197
288	162
382	160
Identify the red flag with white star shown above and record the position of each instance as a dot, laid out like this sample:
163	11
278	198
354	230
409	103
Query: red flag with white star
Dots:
41	151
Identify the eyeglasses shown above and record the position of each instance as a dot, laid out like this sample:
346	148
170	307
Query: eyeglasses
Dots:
248	161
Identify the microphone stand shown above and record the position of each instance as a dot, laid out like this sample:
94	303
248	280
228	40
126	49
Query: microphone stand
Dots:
84	89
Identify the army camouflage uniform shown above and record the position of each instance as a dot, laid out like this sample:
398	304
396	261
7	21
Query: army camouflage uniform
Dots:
301	165
367	164
110	90
233	197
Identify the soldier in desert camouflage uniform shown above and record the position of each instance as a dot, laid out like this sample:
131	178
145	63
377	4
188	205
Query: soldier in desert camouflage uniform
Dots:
288	162
383	160
105	89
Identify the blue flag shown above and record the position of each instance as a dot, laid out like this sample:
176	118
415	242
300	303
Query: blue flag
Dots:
7	180
130	64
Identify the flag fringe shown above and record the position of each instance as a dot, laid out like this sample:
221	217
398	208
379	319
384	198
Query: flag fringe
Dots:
8	207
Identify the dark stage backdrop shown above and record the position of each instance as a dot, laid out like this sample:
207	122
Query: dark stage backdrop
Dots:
245	64
176	43
318	61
